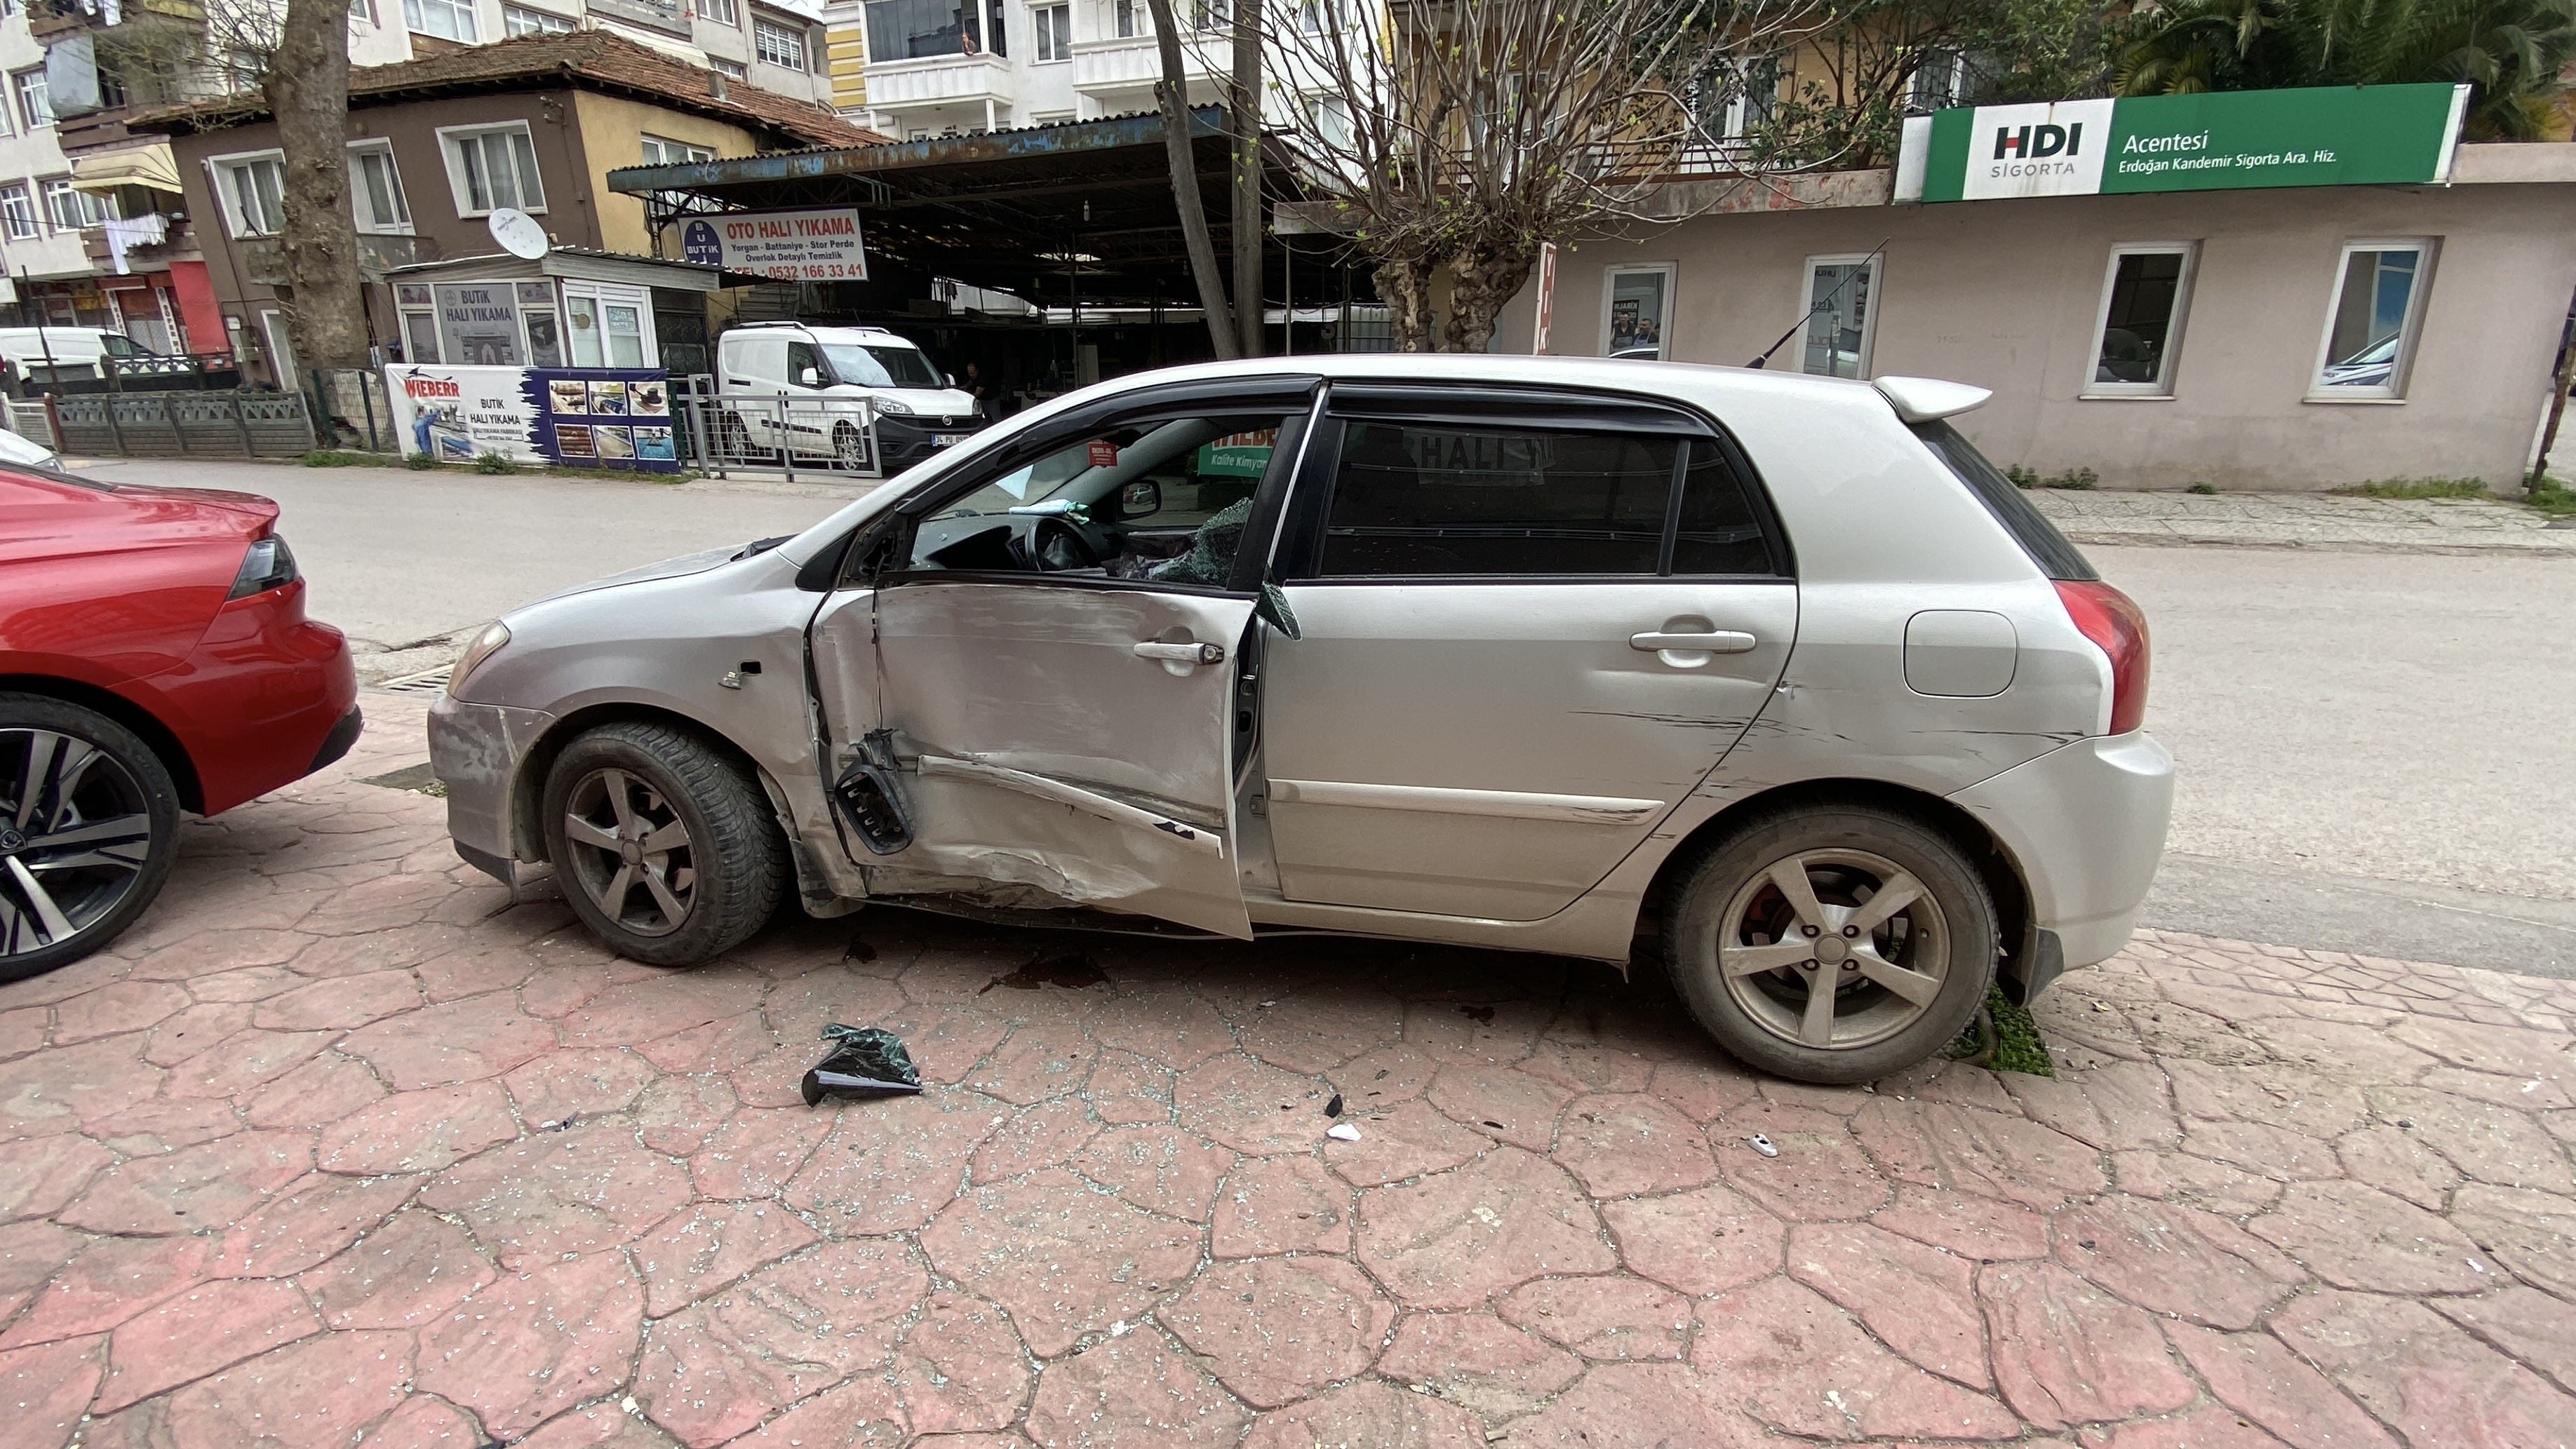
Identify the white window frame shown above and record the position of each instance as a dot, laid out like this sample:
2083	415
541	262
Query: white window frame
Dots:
721	12
734	68
360	210
84	206
451	142
26	114
455	9
690	153
518	20
1805	309
599	297
763	27
1610	275
1046	47
24	193
229	198
2164	386
2427	251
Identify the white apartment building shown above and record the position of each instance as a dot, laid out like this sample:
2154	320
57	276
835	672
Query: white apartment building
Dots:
777	45
950	67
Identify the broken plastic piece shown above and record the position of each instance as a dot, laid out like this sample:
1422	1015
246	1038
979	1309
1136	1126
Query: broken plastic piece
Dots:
866	796
1333	1108
1273	610
1763	1145
1343	1132
864	1061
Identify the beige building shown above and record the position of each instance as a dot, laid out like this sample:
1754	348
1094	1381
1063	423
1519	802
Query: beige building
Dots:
2299	338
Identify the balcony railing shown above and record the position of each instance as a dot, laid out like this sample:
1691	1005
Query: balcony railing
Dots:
264	257
49	18
936	80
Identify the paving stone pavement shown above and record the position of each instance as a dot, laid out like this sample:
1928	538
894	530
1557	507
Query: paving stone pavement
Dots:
2327	521
341	1147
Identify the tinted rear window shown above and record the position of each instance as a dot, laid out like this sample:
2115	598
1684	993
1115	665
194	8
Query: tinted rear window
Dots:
2029	527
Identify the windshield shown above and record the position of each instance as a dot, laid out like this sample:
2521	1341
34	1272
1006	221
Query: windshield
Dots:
879	364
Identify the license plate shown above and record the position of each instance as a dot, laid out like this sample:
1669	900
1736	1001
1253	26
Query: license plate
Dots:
947	440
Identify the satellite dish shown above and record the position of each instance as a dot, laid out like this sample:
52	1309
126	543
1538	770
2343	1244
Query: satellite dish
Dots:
519	234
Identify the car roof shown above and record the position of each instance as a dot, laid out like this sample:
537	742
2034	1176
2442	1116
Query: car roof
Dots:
1699	382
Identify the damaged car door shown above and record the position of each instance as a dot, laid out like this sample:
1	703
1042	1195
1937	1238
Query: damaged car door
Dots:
1041	652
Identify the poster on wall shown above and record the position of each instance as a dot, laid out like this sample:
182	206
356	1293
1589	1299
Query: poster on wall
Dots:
584	417
817	244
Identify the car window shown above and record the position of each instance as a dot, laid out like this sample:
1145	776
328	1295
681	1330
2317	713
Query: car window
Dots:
881	365
2039	538
119	345
1414	499
1718	532
800	356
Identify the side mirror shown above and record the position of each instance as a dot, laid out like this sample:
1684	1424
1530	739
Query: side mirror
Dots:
810	377
952	378
1140	499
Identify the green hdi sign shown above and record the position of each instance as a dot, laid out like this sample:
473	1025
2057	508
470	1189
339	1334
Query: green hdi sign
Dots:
2218	141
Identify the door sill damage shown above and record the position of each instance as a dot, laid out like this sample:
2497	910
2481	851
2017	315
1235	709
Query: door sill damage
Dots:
1118	811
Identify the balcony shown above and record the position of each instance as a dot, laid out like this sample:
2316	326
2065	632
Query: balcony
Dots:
939	80
264	257
143	256
47	19
1104	60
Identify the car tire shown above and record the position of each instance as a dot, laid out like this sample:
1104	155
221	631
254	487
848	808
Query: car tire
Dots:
629	808
1905	986
122	780
849	446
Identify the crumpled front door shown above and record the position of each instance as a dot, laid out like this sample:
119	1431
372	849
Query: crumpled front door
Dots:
1068	738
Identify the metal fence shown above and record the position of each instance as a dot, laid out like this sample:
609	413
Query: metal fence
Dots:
776	432
238	424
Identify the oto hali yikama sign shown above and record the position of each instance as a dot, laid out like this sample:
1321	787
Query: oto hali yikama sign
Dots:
2219	141
818	244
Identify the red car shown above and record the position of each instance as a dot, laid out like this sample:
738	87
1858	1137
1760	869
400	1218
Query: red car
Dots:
154	657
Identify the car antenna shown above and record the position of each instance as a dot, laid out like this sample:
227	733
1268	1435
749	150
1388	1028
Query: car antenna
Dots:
1797	326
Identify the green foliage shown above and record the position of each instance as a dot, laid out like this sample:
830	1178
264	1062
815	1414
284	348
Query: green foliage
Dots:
2017	1045
2081	480
2417	488
340	458
2512	51
419	462
2206	490
496	463
2553	498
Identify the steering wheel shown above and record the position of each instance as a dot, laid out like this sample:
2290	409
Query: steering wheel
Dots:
1057	546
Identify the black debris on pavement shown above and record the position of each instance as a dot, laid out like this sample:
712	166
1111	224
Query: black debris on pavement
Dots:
1333	1108
1070	972
865	1061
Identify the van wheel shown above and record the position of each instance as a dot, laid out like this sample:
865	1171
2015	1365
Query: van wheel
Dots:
666	848
89	822
1833	943
733	440
849	445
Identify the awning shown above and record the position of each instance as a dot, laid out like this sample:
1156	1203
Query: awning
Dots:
150	165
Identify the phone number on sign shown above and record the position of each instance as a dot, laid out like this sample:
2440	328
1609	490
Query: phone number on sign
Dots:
818	272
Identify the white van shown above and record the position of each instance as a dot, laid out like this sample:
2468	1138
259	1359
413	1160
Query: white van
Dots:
74	351
825	373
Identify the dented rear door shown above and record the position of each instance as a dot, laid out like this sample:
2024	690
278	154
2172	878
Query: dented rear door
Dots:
1066	736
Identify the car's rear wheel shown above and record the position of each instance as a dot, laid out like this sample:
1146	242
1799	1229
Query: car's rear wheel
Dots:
88	822
665	847
1833	943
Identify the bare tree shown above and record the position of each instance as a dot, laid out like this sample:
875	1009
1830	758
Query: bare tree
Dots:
1246	114
1460	134
1173	91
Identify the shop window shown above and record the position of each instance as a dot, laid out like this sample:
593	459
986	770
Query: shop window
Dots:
490	167
445	19
1054	25
606	325
478	325
419	308
1416	500
375	191
2144	298
777	45
544	329
1841	298
35	99
519	20
2370	332
1637	312
253	189
17	211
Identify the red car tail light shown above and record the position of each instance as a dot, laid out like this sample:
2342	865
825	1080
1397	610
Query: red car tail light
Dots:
269	564
2114	622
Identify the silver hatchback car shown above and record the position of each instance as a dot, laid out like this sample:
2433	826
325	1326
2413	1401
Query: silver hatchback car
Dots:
1773	677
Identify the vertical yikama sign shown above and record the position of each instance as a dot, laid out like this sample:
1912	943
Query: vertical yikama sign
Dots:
2218	141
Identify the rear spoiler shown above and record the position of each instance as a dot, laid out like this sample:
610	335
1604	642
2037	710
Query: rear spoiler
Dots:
1928	399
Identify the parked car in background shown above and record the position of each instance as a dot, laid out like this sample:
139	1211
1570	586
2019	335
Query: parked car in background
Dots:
1538	653
154	657
812	390
26	452
40	354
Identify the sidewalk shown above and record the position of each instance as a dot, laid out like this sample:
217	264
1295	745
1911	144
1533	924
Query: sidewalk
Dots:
343	1146
2305	520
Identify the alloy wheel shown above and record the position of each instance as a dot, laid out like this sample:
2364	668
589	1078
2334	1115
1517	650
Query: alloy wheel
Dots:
75	834
849	447
1833	949
631	852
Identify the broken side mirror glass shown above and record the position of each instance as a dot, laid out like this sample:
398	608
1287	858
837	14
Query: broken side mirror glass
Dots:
1273	610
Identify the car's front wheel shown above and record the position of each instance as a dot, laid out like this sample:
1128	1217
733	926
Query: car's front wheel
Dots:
1832	943
88	823
665	846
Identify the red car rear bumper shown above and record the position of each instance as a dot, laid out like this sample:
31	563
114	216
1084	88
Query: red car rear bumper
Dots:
266	698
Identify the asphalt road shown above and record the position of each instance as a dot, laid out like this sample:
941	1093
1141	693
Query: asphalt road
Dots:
2374	748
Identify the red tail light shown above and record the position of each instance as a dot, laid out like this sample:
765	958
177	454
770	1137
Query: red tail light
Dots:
2110	619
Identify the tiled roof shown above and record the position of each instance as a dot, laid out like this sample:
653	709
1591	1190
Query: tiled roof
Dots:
594	59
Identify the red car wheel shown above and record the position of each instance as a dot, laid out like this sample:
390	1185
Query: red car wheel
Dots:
88	822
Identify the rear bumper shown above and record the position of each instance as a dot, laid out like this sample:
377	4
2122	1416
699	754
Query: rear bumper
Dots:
267	698
2086	824
477	751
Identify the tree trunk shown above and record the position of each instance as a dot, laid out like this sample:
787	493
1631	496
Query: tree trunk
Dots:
2558	385
1173	90
1247	175
1481	284
1404	284
308	91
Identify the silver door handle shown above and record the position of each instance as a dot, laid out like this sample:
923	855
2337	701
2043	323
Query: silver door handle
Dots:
1182	653
1724	641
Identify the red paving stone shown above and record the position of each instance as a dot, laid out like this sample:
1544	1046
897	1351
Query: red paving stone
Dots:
342	1145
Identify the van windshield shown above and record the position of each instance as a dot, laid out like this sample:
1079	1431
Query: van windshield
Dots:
879	364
